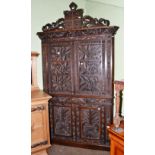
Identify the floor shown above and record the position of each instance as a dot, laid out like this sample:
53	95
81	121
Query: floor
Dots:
67	150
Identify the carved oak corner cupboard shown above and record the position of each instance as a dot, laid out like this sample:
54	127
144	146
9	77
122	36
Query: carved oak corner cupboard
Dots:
78	71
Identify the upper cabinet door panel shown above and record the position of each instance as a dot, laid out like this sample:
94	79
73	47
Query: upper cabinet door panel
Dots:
61	68
90	57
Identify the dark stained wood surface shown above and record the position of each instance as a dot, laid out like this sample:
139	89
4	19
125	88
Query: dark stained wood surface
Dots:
78	71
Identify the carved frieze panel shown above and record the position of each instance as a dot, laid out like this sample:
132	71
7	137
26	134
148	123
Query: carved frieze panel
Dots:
60	67
55	35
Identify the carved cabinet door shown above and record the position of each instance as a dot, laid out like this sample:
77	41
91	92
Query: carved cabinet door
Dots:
61	119
61	68
91	67
90	124
92	118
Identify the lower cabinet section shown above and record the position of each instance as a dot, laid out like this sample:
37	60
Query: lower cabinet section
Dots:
80	121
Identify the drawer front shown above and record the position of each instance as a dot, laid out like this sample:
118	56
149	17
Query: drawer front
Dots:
39	135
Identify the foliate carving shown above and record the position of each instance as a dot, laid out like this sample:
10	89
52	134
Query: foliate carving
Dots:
88	21
60	58
90	120
59	24
62	121
90	123
78	64
62	117
79	119
91	64
74	19
57	35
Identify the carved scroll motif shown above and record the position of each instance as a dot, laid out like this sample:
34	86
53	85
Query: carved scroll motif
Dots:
74	19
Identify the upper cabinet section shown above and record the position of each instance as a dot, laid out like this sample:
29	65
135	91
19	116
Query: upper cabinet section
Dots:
77	55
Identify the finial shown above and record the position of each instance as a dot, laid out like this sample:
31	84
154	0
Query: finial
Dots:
73	6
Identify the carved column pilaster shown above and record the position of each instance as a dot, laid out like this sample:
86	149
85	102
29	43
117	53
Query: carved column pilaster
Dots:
34	83
119	86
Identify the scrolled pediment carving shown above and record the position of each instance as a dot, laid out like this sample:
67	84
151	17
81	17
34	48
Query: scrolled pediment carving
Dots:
88	21
74	19
59	24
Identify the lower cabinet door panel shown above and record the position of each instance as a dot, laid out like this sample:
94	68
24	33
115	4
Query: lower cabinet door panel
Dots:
80	120
61	120
90	125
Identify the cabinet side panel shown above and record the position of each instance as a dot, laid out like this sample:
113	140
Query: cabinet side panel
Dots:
109	63
45	49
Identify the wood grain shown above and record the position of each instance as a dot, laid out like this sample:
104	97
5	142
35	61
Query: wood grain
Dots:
40	139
